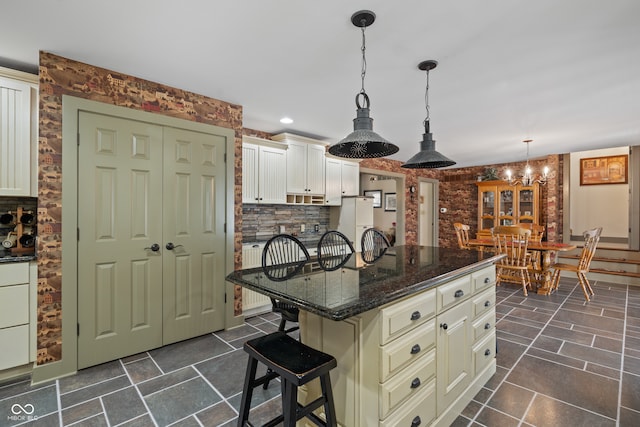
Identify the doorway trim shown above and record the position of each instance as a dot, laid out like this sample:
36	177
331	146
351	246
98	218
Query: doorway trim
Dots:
71	106
435	210
400	194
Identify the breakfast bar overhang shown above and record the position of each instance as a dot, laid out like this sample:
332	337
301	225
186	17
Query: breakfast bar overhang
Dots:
413	331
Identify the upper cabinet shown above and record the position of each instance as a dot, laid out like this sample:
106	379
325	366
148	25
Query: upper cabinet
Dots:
342	179
18	136
500	203
264	171
305	164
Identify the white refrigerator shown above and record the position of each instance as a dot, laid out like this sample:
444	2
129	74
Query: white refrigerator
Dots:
355	216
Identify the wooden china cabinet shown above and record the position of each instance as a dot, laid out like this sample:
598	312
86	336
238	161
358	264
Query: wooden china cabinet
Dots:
500	203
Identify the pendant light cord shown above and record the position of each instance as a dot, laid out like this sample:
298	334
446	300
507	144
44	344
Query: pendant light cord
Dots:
426	100
364	59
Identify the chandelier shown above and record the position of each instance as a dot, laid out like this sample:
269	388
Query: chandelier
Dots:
363	142
428	157
528	178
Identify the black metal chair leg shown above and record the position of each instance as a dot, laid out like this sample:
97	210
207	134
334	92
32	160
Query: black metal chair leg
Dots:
247	394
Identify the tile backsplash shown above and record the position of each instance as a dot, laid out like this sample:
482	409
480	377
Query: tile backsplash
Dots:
260	222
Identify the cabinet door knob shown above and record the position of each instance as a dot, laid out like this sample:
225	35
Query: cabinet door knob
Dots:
415	349
487	352
487	325
487	303
415	315
415	383
486	280
458	293
444	326
416	422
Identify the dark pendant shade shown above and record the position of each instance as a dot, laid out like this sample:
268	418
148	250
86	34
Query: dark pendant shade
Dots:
428	157
363	142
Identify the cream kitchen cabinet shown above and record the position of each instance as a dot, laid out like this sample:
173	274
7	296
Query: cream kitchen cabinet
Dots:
17	314
253	302
264	171
416	361
18	138
342	178
305	164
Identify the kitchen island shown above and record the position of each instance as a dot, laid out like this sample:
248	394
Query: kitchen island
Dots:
413	331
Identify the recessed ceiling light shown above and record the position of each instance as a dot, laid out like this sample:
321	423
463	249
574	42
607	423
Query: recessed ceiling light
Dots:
286	120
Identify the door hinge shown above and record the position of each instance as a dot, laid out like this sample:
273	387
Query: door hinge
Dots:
225	227
78	329
78	234
225	297
78	141
225	157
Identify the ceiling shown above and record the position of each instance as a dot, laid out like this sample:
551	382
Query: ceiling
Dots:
565	74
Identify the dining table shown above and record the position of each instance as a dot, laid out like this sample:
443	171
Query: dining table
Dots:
542	273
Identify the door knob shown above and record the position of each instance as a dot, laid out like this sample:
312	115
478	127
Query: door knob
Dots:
155	247
170	246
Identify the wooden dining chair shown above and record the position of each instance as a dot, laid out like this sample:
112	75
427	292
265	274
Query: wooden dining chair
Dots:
591	239
334	250
537	233
462	233
512	241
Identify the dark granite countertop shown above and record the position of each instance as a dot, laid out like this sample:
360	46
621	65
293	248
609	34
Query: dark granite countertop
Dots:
7	256
358	287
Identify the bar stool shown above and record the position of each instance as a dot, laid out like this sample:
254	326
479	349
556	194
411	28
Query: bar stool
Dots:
296	364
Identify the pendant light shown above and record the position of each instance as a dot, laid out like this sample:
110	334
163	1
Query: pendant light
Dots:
428	157
363	142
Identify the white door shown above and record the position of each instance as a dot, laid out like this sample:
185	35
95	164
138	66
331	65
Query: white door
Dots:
144	188
426	207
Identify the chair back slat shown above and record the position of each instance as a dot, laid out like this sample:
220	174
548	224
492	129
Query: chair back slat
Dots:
591	239
462	234
513	242
334	243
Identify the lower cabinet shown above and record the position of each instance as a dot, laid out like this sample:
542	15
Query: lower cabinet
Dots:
415	362
252	302
17	314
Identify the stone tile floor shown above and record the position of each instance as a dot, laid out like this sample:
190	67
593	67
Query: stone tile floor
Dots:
561	362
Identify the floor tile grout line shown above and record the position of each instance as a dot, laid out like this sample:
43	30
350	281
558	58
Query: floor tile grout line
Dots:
135	386
622	355
521	356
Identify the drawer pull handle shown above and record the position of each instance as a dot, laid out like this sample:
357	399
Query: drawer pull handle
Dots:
415	349
415	315
487	325
487	352
415	383
444	326
486	280
487	303
458	293
416	422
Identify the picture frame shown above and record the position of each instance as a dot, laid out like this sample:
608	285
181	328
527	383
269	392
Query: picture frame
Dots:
604	170
390	202
377	197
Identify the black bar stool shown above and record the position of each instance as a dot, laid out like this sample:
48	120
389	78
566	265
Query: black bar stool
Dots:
296	364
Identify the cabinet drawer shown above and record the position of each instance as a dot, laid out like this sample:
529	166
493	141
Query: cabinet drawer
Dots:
484	325
453	292
420	410
16	340
407	383
484	302
14	305
483	353
405	315
406	349
14	273
483	278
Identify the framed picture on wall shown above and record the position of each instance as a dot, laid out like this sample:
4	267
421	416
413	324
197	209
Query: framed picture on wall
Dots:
604	170
377	197
390	201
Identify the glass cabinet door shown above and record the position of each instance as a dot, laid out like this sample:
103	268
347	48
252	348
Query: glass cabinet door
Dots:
526	208
506	214
487	209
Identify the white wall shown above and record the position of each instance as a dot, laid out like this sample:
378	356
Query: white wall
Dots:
591	206
381	219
